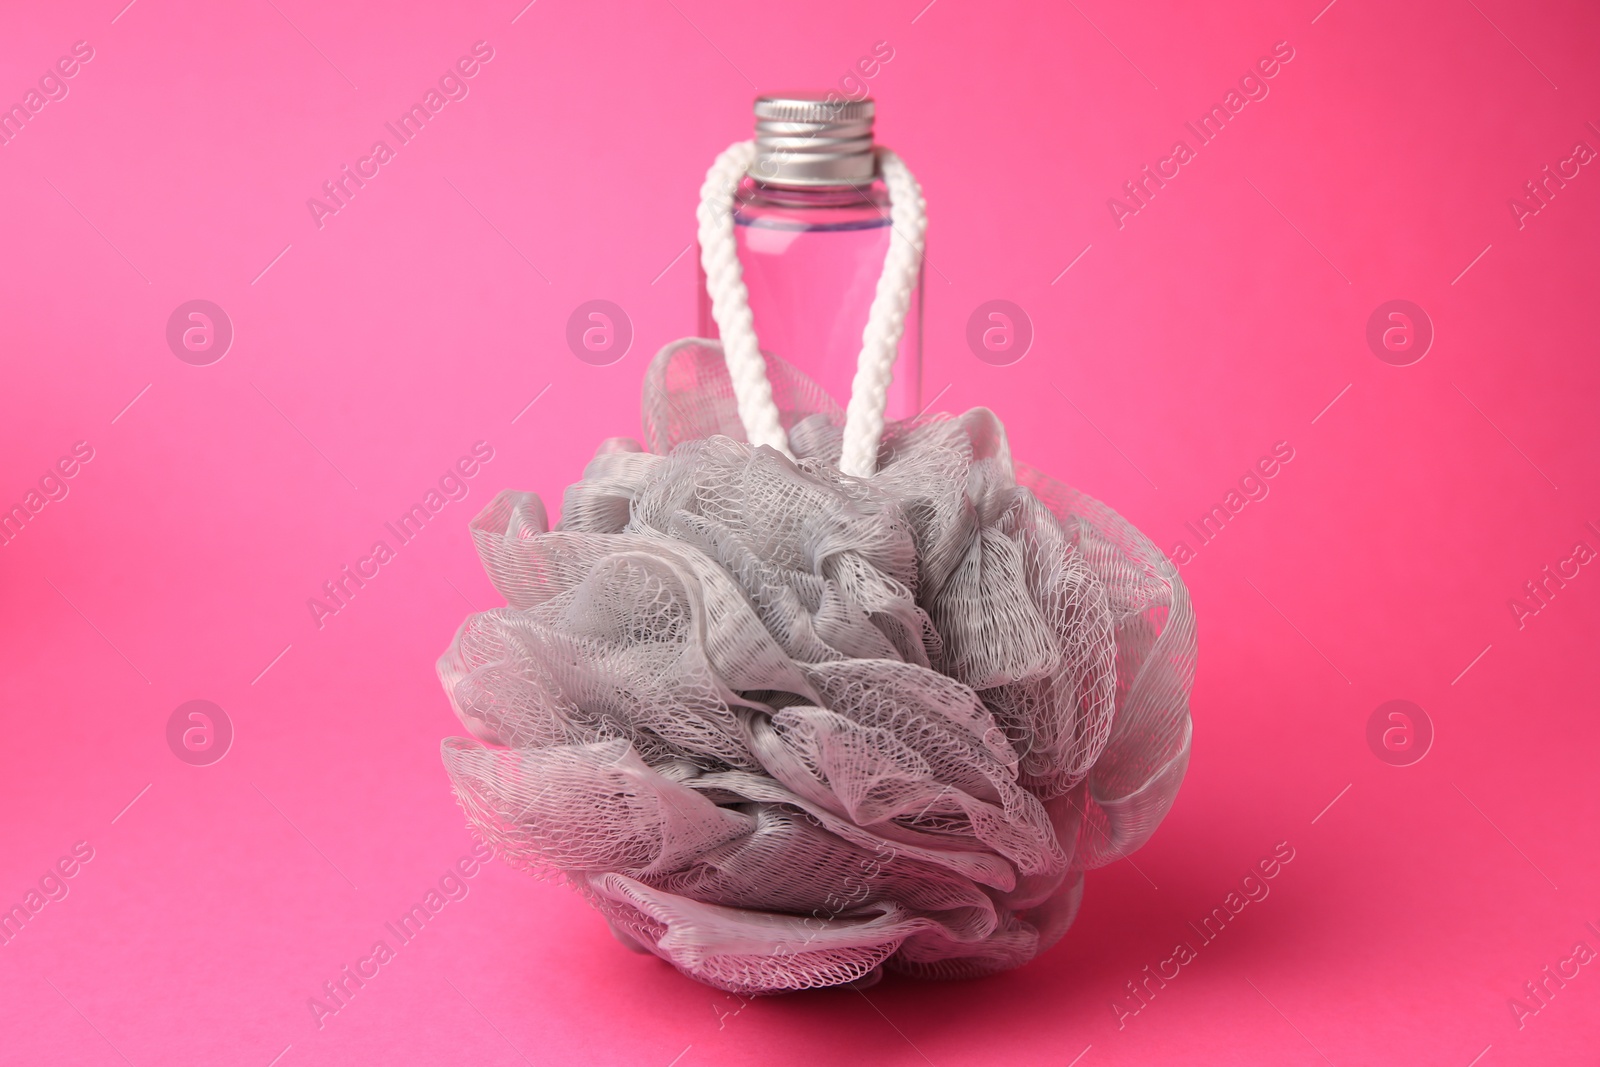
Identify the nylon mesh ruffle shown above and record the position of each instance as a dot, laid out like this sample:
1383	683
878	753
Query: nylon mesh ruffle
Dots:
786	728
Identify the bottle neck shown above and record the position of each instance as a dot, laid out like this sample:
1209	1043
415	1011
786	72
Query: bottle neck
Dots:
840	201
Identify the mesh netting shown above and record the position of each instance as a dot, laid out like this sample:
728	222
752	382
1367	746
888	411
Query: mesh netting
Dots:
786	728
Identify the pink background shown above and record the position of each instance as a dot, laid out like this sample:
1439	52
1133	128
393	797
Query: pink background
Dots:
1222	318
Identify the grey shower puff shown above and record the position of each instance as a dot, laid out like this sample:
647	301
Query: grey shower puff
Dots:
786	728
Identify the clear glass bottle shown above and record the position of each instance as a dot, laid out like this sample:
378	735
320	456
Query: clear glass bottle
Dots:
811	225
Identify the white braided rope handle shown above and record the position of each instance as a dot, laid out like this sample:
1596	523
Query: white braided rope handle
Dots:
886	322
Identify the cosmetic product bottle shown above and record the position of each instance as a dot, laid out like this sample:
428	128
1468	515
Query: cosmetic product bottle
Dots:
811	225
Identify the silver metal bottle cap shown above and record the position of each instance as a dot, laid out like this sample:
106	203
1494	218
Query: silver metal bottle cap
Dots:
806	139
